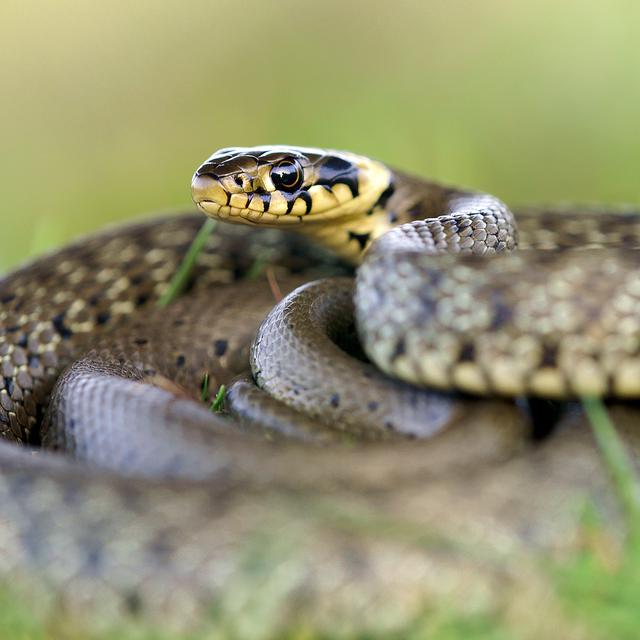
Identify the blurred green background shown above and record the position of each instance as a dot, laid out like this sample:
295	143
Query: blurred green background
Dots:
106	108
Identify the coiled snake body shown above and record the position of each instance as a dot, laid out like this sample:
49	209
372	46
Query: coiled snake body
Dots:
177	497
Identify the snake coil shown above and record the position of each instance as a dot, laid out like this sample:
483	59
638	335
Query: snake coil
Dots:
163	519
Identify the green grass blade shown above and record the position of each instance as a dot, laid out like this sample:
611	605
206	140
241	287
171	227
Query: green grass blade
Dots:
181	277
204	388
216	405
618	463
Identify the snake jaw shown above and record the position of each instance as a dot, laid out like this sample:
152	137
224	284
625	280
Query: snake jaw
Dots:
287	185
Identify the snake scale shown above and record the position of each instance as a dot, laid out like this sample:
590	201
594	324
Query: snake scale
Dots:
158	502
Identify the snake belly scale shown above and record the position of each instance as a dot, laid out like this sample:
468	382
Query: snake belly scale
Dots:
442	302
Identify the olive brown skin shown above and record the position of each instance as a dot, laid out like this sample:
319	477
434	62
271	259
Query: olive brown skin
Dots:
157	503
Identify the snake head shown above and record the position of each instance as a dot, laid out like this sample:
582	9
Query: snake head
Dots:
272	185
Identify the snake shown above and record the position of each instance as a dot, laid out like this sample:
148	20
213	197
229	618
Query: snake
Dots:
390	394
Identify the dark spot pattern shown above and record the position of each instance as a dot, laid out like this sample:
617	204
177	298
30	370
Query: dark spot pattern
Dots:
220	347
399	350
58	324
549	355
103	317
502	314
467	352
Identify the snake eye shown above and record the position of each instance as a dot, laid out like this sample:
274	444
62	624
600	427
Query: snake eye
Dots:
286	175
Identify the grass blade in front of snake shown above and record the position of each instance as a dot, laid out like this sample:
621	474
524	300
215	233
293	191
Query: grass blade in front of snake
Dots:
181	276
216	405
618	464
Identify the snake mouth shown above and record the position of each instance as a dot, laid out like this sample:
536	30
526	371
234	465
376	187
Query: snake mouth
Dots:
270	208
215	201
276	186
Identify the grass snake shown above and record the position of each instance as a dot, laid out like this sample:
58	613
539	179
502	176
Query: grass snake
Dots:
390	396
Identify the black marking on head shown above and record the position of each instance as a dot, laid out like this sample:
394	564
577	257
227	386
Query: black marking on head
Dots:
265	197
335	400
361	238
467	352
307	200
336	165
334	170
58	324
290	202
291	198
220	347
351	181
